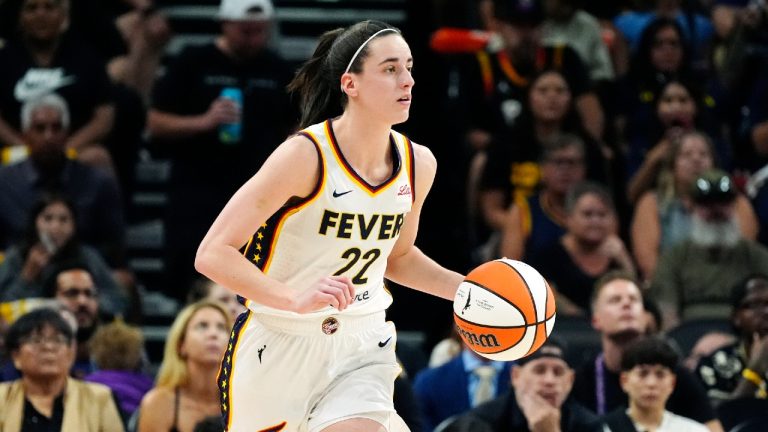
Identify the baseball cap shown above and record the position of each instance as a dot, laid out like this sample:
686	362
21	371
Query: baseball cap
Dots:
246	10
524	12
553	347
713	186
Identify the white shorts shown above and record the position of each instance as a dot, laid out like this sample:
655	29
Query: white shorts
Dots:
305	375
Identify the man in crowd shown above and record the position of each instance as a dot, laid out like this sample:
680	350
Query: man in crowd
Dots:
618	315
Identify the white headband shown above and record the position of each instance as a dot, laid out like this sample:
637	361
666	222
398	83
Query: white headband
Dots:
354	56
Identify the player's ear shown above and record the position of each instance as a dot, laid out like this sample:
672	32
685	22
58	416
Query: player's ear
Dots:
348	85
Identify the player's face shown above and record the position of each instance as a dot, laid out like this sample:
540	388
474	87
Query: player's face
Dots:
550	98
385	84
648	386
693	159
591	220
206	337
562	169
619	309
667	50
550	378
676	106
752	315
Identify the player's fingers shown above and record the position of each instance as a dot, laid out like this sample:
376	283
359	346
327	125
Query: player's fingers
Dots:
348	285
338	293
324	298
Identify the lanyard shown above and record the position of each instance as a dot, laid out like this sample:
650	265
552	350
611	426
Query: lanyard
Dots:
600	384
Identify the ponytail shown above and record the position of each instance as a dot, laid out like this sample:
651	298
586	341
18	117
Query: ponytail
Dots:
318	83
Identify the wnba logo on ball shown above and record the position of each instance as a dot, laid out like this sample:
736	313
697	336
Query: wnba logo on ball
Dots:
484	340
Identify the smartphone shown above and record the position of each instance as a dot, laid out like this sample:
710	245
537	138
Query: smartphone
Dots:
47	242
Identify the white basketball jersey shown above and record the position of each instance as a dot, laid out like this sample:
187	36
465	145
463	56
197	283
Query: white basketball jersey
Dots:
344	227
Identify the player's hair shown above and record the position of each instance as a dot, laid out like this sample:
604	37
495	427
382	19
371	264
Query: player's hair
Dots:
173	370
649	351
609	277
318	83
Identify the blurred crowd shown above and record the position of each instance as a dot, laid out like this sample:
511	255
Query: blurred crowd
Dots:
619	147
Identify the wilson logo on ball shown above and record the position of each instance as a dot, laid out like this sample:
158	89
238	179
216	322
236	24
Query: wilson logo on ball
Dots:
483	340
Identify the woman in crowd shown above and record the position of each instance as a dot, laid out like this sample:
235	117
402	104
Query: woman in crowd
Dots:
187	390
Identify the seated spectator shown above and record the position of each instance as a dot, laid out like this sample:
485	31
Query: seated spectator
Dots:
706	345
45	397
617	314
95	195
663	216
206	289
539	401
648	378
740	369
51	242
117	351
589	249
693	278
538	221
187	390
45	57
458	385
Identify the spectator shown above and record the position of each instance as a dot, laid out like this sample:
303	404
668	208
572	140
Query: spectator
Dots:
539	400
589	249
706	345
663	216
209	424
117	351
52	241
740	369
206	289
617	314
451	388
45	58
186	114
73	287
694	277
96	197
194	348
648	377
538	222
45	397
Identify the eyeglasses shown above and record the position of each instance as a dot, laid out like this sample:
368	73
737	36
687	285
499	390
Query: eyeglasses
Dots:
73	293
37	341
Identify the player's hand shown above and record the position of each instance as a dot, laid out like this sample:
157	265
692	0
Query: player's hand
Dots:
221	111
541	415
336	291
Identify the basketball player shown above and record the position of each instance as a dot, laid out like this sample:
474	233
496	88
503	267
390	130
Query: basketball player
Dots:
308	241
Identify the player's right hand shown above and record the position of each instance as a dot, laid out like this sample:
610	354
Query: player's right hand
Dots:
336	291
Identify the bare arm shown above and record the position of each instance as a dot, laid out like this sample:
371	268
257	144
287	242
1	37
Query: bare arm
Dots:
406	264
96	130
648	171
155	412
492	206
218	256
591	113
760	138
167	125
747	218
645	233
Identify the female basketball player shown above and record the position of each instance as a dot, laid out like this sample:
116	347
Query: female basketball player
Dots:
309	239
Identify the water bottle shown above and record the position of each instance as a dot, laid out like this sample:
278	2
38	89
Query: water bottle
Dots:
229	133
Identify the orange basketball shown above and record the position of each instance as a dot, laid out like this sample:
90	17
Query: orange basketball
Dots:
504	310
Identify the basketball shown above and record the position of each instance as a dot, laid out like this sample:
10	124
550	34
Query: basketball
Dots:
504	310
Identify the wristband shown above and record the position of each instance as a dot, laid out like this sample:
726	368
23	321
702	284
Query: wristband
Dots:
753	377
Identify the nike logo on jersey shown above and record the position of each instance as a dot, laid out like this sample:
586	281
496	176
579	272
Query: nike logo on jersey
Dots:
338	194
383	344
39	81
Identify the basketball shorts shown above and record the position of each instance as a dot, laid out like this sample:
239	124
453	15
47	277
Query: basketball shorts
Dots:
284	374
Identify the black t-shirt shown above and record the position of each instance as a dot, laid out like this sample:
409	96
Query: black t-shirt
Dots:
196	77
33	421
689	399
76	74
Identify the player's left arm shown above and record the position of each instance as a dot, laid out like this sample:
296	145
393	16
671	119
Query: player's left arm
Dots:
407	265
